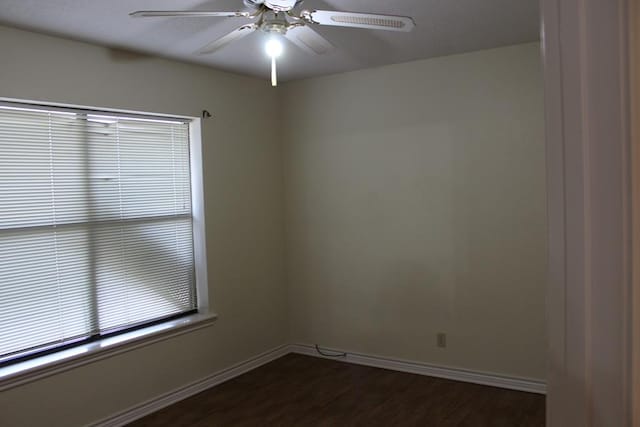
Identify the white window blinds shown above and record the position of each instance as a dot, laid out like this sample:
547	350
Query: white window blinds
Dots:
95	226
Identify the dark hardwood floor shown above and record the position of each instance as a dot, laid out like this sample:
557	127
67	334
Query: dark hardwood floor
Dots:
300	390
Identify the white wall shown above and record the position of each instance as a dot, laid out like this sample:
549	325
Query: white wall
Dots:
243	191
415	204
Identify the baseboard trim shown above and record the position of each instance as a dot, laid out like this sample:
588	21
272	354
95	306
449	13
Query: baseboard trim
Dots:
490	379
152	405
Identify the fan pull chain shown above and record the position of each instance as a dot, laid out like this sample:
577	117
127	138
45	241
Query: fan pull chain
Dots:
274	76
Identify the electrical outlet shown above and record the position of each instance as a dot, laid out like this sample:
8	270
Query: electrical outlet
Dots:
441	340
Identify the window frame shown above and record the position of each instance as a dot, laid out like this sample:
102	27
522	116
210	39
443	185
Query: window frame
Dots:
70	356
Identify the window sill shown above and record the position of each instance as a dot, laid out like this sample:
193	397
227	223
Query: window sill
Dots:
41	367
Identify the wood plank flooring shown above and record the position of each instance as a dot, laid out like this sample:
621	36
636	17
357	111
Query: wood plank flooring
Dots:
298	390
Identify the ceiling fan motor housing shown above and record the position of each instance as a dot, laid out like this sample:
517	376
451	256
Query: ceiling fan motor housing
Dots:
276	5
281	5
253	4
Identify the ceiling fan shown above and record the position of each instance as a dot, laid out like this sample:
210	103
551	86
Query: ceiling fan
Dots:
277	18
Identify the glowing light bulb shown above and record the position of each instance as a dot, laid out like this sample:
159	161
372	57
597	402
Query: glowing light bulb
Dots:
274	49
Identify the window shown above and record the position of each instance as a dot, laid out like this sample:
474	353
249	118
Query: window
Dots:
96	233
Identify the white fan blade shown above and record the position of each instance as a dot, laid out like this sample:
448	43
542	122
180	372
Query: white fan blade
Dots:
309	40
358	20
187	14
234	35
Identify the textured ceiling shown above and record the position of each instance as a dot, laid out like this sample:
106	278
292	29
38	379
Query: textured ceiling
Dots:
443	27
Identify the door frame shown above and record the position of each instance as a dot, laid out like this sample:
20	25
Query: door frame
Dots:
590	162
634	109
